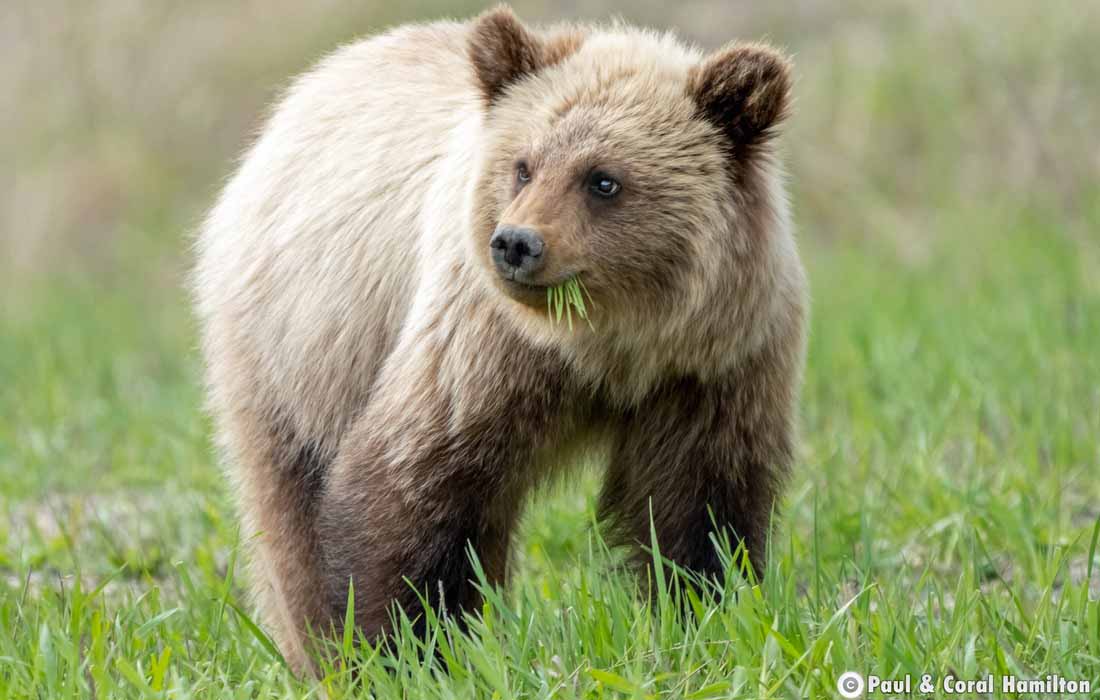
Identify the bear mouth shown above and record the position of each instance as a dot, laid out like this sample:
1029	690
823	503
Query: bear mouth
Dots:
528	292
533	287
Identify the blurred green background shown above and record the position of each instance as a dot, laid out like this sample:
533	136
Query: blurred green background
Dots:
944	164
124	117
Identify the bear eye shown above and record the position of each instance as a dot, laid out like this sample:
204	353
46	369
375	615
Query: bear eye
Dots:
523	175
603	185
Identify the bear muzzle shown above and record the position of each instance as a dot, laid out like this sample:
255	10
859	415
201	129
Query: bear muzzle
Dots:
517	252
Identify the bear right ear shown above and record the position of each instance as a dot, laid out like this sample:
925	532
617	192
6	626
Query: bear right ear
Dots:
503	51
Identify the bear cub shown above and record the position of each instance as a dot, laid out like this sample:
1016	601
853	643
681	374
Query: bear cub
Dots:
386	381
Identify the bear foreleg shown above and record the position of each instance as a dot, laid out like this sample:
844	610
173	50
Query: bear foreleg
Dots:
697	455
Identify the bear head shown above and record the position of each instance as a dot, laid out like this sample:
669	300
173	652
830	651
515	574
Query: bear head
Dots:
619	156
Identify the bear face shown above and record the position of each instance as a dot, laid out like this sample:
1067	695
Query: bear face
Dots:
620	158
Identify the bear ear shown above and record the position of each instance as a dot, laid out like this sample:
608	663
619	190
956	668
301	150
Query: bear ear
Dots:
503	51
744	89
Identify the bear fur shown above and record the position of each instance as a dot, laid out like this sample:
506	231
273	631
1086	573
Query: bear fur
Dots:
385	397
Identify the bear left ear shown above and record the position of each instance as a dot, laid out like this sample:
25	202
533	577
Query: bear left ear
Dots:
503	51
744	89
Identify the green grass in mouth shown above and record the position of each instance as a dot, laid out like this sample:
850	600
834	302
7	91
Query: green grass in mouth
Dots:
565	298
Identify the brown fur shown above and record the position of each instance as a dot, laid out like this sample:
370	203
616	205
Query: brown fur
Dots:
406	500
387	400
744	89
503	51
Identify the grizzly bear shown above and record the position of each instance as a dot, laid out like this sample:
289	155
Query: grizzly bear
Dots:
385	377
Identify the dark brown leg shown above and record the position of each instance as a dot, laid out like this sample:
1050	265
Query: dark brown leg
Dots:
394	545
427	472
695	449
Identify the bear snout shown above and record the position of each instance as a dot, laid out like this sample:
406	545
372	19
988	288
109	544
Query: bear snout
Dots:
517	251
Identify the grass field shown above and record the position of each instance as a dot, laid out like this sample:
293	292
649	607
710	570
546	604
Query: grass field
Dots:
945	508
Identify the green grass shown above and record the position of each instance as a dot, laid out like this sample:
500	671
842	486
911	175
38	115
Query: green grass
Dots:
567	298
942	517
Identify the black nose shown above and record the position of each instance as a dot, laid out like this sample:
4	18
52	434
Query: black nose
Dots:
516	250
